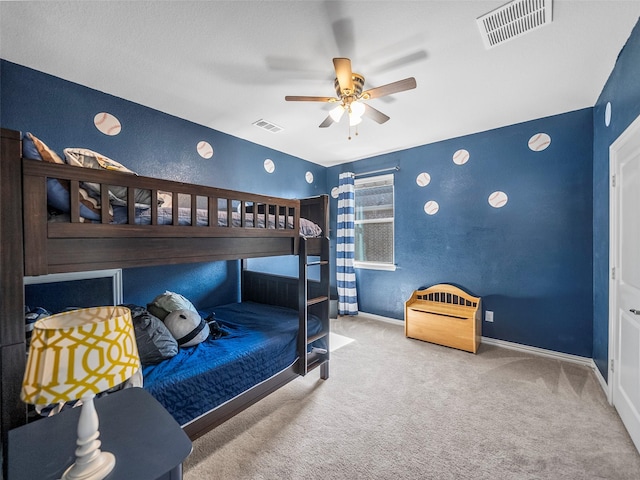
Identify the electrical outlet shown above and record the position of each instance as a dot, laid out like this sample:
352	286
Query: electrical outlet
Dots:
488	316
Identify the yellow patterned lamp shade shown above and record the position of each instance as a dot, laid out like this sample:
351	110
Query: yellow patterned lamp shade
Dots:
79	353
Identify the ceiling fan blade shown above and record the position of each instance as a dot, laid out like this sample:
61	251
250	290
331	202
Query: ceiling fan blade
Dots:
295	67
395	87
400	62
344	75
327	122
344	36
294	98
375	115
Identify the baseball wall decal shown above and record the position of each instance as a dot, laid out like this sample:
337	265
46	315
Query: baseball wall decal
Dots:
308	177
498	199
205	150
539	142
335	192
423	179
431	207
269	166
461	157
107	123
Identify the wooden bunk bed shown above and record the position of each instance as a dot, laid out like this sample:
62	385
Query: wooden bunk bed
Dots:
32	245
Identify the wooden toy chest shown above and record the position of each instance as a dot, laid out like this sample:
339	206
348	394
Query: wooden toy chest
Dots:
445	315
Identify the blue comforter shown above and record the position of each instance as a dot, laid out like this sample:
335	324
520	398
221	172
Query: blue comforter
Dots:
260	342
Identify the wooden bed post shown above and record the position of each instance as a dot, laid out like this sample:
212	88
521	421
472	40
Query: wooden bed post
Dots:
12	339
313	295
303	304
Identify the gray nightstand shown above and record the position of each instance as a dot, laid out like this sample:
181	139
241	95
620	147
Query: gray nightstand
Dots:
145	439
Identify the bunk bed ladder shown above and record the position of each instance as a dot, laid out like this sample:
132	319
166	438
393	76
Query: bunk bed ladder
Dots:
313	297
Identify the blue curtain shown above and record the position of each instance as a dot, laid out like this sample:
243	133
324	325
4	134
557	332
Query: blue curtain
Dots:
345	248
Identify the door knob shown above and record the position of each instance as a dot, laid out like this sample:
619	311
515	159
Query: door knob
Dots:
634	311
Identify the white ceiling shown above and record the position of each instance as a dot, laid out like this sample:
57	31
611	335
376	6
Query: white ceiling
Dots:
226	64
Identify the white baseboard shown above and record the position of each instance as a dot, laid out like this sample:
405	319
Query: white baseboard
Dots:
577	359
602	382
587	362
380	318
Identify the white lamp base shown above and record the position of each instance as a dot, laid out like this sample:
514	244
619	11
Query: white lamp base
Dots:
91	463
100	467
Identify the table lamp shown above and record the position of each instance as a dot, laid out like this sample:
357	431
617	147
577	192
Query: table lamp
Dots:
75	355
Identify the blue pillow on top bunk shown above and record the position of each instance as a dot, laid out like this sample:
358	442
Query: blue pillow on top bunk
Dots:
36	149
57	194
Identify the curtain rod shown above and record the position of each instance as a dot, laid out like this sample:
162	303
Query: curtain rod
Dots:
395	169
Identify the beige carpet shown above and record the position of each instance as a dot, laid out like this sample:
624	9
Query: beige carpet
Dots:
397	408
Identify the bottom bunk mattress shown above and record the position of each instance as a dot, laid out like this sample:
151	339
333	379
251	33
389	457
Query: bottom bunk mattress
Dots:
259	341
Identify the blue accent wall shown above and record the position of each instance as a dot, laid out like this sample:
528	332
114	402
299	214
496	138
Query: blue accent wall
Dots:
151	143
154	144
287	266
540	262
529	260
58	296
622	91
204	284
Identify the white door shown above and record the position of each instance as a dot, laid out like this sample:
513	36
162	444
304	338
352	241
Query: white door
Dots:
625	260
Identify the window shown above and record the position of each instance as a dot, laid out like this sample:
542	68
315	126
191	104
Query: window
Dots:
374	223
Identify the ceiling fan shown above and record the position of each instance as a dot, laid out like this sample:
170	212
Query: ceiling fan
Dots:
350	95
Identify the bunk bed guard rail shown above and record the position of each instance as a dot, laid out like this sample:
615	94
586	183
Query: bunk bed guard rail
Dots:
227	231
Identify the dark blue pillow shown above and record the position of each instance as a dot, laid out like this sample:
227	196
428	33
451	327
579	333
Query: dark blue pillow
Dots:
29	149
57	194
58	198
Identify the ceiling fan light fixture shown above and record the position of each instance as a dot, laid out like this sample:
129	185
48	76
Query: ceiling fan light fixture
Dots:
350	96
357	109
336	113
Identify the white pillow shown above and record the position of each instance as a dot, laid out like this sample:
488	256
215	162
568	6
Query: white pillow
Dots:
165	199
168	302
82	157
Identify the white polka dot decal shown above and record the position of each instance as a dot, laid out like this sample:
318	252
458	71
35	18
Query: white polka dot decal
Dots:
269	166
539	142
107	123
335	192
205	150
498	199
308	177
423	179
461	157
431	207
607	114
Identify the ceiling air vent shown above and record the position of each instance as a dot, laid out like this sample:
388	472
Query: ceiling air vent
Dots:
270	127
513	20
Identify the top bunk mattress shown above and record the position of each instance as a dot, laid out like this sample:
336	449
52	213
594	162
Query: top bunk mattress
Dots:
260	341
307	228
